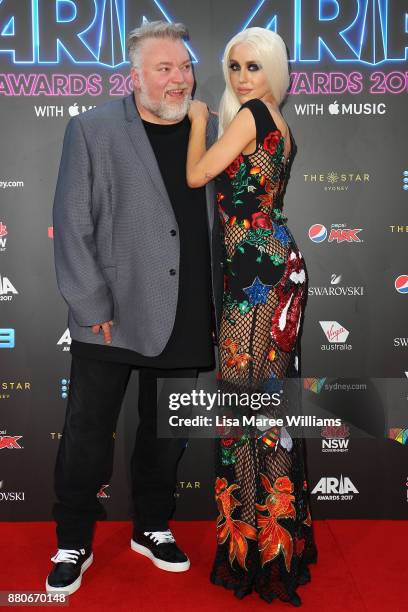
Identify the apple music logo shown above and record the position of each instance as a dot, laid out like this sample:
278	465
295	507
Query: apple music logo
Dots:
361	108
54	111
335	108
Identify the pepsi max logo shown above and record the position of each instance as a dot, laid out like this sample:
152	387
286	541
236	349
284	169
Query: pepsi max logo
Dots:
401	283
317	232
338	233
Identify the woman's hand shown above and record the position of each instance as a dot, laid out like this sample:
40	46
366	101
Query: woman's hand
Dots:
198	110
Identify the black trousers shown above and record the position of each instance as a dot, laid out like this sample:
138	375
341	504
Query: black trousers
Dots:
85	455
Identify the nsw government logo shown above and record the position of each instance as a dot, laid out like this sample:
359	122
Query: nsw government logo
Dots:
337	335
330	488
334	439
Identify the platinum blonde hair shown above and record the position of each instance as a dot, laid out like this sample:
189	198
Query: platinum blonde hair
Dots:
270	51
152	29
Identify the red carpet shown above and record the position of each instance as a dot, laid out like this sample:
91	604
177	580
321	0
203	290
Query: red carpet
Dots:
362	566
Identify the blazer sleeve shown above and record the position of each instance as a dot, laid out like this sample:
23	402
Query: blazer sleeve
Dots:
79	277
212	130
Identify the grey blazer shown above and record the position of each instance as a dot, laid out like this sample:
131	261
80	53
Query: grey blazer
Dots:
114	244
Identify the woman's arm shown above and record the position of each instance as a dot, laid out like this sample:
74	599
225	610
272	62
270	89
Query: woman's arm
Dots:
202	165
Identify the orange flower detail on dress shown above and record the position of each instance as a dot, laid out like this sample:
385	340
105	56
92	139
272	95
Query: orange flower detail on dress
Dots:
273	538
271	141
234	166
231	346
240	360
237	531
267	200
255	170
272	355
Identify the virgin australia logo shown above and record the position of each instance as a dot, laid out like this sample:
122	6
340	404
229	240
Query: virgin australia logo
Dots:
336	334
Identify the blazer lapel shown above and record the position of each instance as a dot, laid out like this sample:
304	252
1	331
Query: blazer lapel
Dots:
142	146
211	137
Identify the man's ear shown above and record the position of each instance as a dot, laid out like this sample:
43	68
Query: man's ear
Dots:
134	73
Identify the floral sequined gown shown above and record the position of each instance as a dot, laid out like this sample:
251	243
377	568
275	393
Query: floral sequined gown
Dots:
264	529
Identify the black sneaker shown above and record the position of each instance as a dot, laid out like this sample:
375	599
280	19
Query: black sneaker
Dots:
161	548
69	567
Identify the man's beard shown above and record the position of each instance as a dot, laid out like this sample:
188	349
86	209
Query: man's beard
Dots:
162	109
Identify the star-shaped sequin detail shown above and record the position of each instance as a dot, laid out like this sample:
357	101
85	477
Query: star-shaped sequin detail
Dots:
257	292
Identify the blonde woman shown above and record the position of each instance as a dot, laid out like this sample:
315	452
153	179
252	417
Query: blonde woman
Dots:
264	529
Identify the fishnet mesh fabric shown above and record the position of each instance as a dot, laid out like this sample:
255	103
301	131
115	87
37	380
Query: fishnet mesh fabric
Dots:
249	333
262	159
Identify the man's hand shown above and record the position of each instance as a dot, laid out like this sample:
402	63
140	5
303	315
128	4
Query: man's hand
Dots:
105	329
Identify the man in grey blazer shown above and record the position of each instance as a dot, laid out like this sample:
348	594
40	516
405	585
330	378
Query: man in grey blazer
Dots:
136	261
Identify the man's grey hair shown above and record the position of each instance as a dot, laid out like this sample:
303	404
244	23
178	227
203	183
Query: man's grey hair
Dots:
152	29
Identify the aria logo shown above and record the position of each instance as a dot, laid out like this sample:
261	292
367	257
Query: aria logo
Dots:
366	108
335	289
10	495
3	239
336	334
7	288
65	340
338	233
330	488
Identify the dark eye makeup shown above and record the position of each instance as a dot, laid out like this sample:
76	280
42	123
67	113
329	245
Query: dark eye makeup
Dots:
252	66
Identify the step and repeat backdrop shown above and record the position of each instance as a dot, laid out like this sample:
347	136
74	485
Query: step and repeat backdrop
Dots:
346	202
